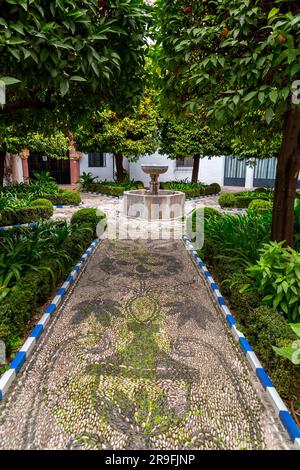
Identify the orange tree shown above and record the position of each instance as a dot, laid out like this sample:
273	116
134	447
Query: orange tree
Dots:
232	58
61	58
183	139
128	135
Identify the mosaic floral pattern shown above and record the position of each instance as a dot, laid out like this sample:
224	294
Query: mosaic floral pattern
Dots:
138	359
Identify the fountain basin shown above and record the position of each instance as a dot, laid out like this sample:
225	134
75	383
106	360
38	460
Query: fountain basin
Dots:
153	169
143	204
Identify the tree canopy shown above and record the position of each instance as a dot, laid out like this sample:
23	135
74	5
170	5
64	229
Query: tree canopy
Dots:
228	58
128	135
72	52
232	56
55	145
188	138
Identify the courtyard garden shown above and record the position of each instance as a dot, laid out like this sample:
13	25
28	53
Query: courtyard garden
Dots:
157	340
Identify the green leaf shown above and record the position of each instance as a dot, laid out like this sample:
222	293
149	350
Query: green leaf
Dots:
286	352
64	87
273	13
273	96
261	97
9	80
17	27
250	96
269	115
76	78
296	328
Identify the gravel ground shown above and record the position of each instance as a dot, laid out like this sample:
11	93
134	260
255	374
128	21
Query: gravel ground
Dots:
138	357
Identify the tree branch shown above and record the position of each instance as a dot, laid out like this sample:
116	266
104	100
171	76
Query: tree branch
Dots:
25	104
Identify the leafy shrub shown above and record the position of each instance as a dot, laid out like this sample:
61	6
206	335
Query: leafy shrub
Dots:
65	197
214	188
191	189
52	248
266	191
206	213
297	225
42	202
266	328
88	216
242	202
10	201
292	351
43	177
236	238
34	189
25	215
227	200
260	205
86	179
277	277
211	212
116	189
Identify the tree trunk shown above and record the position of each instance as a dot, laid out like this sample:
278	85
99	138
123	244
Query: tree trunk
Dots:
2	164
196	169
286	180
119	167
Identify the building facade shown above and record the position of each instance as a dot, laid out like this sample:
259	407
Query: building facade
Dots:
226	171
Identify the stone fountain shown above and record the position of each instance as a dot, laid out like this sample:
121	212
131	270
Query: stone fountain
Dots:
154	204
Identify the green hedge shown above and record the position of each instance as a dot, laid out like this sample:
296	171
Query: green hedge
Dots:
227	200
260	206
114	189
243	200
192	190
65	198
88	216
35	288
25	215
42	202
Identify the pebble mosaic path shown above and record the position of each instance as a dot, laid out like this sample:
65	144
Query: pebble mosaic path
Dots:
138	357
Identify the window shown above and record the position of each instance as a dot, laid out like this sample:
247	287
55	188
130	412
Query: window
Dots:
97	159
188	162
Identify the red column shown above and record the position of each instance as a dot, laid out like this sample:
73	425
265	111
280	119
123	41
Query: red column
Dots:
74	171
74	162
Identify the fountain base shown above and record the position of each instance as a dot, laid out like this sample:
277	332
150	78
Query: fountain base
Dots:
143	204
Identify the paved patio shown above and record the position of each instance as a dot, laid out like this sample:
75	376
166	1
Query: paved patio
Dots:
138	357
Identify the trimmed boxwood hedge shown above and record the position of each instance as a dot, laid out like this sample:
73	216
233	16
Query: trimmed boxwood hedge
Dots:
260	206
34	289
25	215
192	190
227	200
243	200
88	216
114	189
41	202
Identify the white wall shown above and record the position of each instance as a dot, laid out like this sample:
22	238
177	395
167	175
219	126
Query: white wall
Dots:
105	173
136	172
211	170
102	173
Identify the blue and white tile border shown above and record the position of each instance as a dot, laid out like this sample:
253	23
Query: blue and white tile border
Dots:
280	408
8	227
25	352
